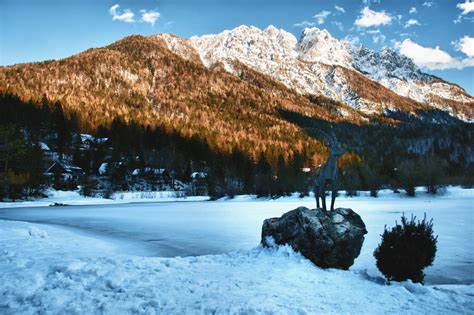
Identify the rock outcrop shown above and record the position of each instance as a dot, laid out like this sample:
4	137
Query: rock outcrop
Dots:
330	239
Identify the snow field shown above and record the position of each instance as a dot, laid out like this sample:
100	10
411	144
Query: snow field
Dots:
74	198
51	270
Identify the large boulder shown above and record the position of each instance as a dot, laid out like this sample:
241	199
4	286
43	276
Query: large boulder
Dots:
330	239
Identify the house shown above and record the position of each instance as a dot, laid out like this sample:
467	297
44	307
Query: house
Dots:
65	171
88	141
179	185
159	178
47	153
103	168
198	183
198	175
106	168
159	173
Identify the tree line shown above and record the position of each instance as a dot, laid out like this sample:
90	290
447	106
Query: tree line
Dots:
129	146
413	152
399	157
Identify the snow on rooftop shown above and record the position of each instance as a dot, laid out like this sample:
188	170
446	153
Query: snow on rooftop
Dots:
148	170
197	175
103	168
85	136
44	146
136	172
89	138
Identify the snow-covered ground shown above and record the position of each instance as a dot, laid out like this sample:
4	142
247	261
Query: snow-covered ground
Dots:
50	270
74	198
99	259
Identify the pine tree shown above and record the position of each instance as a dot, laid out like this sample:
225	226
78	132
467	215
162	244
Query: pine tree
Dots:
263	177
60	128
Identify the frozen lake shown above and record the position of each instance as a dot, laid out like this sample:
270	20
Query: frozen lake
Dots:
171	229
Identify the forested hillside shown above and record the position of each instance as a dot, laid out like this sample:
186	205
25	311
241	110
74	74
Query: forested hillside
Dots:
139	80
400	156
135	115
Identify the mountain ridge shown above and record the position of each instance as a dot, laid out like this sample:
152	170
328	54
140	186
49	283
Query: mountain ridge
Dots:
163	81
139	80
303	64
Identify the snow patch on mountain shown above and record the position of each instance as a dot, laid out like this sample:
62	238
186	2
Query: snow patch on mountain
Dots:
400	74
277	53
310	64
179	46
316	45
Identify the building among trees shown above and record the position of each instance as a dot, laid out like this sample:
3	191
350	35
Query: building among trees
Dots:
64	172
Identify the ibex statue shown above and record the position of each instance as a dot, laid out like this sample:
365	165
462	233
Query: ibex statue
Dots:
326	178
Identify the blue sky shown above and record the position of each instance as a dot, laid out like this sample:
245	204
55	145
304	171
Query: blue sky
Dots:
437	34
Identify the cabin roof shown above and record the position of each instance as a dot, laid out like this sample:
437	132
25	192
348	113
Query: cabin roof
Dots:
67	168
148	170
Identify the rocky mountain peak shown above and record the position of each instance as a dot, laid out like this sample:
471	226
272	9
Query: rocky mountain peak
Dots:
318	45
272	29
247	44
285	39
319	64
385	64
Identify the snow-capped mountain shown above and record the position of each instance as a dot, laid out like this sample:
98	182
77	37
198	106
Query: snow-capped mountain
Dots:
401	75
298	64
319	64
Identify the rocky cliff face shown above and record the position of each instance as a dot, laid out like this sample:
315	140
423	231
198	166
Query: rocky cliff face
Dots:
399	74
312	65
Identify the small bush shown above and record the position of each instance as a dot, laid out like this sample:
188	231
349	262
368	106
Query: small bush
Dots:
410	190
87	187
406	250
374	193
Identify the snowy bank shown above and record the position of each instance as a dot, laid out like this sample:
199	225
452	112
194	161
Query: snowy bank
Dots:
50	270
170	229
450	191
73	198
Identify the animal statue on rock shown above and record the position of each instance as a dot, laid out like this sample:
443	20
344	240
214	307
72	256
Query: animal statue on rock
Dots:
326	177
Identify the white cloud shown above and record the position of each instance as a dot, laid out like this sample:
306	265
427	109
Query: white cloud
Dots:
372	18
377	36
466	46
338	25
411	22
431	58
321	16
467	7
380	38
150	16
304	24
424	55
113	9
412	10
353	40
377	31
367	2
428	4
340	9
126	16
